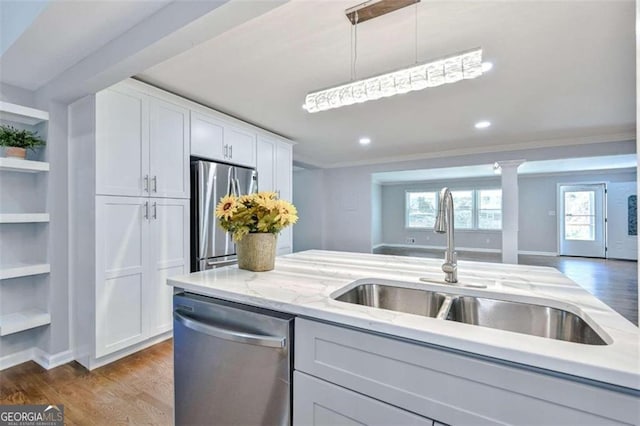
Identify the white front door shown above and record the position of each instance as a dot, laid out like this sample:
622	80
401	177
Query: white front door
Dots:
582	220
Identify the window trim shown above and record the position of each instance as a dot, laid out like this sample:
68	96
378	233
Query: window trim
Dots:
475	217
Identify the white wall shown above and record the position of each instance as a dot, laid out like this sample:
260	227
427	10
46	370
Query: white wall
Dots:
348	195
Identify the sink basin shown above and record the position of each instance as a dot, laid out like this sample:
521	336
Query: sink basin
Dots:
400	299
536	320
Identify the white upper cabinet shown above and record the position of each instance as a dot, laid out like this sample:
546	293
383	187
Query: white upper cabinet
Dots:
122	143
207	137
275	172
142	145
168	149
215	139
240	146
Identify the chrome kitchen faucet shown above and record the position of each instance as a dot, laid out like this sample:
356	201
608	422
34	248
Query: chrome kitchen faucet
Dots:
444	224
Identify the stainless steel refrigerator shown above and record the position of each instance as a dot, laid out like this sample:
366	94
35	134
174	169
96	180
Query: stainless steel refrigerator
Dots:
212	246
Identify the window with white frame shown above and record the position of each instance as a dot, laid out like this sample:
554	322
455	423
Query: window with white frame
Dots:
474	209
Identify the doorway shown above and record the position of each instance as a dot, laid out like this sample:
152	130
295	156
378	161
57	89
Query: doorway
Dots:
582	220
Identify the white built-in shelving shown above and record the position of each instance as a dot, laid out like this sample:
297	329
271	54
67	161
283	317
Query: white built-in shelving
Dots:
24	320
24	217
24	239
22	114
26	166
23	270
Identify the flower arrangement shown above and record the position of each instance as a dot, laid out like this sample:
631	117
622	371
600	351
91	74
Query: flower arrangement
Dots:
261	212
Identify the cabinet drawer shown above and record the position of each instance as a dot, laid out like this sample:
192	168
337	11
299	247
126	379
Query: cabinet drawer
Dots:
318	403
451	387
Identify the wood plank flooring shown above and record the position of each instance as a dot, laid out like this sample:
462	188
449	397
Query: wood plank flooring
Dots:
136	390
615	282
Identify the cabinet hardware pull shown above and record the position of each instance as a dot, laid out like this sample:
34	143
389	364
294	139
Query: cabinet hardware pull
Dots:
146	183
155	210
226	151
146	210
154	182
230	151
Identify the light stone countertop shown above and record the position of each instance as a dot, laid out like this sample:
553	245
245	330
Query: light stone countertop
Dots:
302	283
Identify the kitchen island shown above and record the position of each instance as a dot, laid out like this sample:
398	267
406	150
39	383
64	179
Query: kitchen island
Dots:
600	382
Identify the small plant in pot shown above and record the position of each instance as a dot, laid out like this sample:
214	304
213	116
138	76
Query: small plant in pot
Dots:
254	221
17	141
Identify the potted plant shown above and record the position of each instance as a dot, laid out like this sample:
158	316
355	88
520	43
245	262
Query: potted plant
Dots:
254	221
16	141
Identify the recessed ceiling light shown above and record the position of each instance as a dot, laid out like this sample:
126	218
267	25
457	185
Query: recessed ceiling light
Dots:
482	124
365	141
486	66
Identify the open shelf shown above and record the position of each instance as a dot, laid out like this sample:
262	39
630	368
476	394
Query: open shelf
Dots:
28	166
24	217
21	321
17	271
22	114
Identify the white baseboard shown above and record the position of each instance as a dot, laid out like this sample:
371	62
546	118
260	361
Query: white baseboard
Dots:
44	359
8	361
49	361
471	249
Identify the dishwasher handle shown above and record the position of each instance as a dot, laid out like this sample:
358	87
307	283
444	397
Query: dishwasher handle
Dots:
235	336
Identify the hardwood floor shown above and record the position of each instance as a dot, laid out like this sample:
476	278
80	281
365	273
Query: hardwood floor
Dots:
615	282
136	390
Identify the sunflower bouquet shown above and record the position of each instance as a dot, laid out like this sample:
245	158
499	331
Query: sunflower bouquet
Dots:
261	212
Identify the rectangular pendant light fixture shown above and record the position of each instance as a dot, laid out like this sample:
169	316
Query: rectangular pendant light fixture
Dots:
462	66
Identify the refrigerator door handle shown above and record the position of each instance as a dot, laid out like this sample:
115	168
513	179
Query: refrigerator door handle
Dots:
232	335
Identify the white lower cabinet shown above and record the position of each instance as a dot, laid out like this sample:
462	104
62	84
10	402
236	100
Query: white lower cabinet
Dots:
358	373
319	403
140	242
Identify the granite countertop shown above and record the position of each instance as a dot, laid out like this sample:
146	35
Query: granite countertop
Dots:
303	282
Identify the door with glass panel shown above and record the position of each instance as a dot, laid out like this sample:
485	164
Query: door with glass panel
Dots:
582	220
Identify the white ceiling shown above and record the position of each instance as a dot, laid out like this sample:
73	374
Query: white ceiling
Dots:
64	33
567	165
564	72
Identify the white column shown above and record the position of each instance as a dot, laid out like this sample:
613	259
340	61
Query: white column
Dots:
509	172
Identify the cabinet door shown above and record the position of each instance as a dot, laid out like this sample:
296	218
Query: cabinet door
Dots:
241	146
266	167
319	403
207	137
284	174
122	250
169	219
122	142
168	150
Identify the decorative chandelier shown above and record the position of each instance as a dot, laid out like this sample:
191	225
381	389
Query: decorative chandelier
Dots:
462	66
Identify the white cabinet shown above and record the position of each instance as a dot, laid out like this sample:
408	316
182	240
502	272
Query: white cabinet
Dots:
169	237
449	386
140	243
122	259
215	139
129	147
319	403
142	145
275	170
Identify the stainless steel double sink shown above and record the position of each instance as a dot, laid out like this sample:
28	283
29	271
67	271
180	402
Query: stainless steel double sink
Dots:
516	316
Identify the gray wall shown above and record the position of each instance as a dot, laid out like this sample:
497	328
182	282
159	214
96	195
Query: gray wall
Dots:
308	197
537	198
376	214
348	198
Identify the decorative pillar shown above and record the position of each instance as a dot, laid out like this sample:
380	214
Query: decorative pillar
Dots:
509	172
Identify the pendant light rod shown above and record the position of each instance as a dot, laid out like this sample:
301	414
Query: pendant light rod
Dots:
375	8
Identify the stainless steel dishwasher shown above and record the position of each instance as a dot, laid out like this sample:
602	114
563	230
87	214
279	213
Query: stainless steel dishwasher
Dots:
232	363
